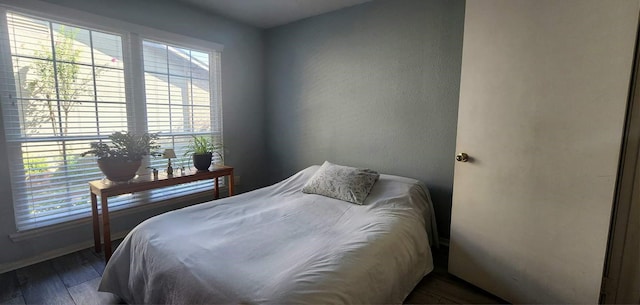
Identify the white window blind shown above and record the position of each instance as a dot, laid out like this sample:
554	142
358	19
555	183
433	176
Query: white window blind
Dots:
66	86
181	101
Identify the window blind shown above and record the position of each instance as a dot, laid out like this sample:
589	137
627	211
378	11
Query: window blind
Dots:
180	102
67	87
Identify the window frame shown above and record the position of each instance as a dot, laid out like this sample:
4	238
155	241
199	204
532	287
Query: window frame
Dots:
132	55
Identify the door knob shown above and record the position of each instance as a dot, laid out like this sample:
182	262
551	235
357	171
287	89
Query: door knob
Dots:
462	157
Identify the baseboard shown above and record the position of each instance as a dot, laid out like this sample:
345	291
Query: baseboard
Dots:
53	254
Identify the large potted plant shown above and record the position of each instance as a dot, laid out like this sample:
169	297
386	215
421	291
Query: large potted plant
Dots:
202	148
120	159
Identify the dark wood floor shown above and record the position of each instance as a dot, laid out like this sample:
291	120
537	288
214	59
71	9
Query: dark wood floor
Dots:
74	278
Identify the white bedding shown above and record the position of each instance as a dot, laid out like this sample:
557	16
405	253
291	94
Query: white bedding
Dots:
279	245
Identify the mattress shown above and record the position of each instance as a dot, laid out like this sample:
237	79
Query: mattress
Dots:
279	245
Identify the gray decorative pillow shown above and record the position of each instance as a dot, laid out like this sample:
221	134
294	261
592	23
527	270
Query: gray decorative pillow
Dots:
341	182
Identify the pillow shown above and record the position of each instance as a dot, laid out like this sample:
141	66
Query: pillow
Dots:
341	182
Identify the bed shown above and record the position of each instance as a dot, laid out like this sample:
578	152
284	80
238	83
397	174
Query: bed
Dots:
280	245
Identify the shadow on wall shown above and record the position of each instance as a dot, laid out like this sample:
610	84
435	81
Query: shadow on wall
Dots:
441	198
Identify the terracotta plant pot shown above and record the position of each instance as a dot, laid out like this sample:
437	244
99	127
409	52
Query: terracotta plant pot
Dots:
202	161
119	170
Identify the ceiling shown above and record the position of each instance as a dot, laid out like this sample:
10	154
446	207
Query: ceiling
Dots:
271	13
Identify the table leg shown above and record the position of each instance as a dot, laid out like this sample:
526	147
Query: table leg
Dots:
231	183
106	228
216	191
96	223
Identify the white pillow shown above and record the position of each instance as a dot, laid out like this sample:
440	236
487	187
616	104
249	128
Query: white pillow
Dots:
341	182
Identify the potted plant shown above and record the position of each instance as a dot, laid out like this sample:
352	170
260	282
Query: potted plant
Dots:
202	148
120	159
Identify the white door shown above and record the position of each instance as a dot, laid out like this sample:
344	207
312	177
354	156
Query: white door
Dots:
542	104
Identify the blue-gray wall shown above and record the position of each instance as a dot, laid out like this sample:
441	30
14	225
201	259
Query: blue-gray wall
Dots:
375	85
243	110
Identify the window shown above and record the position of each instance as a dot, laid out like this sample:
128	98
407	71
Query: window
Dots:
178	99
179	103
65	86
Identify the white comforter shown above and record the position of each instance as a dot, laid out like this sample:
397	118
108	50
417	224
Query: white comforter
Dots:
279	245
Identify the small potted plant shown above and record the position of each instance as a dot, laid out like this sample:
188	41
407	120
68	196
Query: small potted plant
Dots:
202	148
120	159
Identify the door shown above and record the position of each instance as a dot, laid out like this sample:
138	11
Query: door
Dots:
622	269
543	93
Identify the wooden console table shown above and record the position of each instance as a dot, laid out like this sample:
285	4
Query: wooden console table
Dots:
105	189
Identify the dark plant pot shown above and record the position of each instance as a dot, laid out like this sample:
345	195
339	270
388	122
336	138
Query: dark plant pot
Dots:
202	161
119	170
